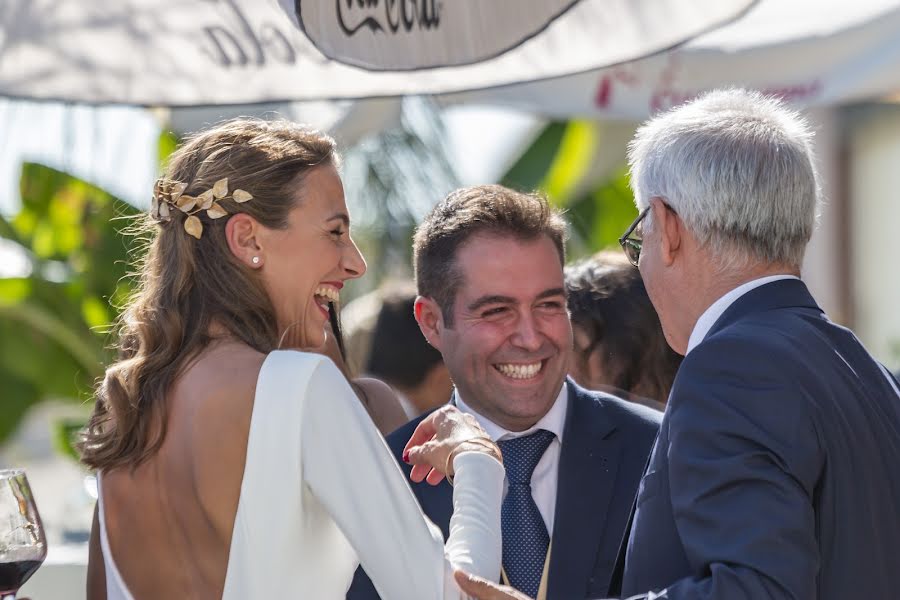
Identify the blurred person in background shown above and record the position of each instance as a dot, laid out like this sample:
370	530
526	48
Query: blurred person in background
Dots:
619	344
402	357
358	319
379	399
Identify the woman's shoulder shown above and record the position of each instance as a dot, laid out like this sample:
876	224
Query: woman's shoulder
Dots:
220	390
216	391
228	371
234	370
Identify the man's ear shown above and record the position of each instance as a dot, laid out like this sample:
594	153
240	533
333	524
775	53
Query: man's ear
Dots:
430	319
668	227
243	235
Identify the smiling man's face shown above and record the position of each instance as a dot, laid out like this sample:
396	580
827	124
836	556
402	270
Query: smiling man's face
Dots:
508	349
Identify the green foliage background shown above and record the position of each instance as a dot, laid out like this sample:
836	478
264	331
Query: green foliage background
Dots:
559	163
54	322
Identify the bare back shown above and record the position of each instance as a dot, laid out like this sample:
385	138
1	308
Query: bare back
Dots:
176	511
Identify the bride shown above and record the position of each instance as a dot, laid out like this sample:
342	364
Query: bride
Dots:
231	468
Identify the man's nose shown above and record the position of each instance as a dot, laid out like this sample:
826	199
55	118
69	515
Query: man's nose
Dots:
527	336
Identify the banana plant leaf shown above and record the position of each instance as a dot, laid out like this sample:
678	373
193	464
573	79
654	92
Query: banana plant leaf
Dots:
558	163
54	321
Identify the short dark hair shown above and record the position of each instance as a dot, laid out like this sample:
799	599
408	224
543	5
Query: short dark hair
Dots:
608	301
494	209
400	355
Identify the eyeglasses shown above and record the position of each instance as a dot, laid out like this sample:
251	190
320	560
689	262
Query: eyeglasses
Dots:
632	245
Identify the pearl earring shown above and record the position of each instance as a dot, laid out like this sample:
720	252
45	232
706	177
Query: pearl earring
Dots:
255	260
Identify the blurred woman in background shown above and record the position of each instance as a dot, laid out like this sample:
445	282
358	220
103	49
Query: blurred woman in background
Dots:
619	343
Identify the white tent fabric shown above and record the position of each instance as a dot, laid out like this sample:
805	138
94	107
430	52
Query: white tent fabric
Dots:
202	52
348	121
115	147
570	34
810	52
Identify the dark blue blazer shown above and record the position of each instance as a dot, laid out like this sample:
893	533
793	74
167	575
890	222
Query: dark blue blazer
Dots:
777	469
606	442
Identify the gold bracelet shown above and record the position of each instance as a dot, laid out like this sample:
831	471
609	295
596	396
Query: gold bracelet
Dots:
479	441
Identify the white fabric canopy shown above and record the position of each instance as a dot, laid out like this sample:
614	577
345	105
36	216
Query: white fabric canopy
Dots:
811	52
200	52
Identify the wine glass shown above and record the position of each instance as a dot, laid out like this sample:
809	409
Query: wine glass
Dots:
23	546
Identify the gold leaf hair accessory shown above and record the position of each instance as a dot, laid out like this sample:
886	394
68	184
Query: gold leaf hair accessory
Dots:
169	195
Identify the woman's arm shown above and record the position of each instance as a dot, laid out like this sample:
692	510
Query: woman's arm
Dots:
350	470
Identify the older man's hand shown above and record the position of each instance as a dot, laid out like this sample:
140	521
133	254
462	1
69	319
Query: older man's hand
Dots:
482	589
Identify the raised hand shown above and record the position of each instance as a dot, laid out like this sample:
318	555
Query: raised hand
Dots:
439	438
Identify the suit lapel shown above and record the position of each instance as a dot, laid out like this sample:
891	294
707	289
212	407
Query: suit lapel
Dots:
587	473
618	570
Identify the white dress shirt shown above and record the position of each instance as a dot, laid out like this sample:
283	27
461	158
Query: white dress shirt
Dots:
546	473
409	409
717	308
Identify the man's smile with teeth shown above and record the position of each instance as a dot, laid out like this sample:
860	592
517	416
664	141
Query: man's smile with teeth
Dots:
519	371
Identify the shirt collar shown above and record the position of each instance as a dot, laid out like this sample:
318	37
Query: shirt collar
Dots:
406	404
717	308
554	421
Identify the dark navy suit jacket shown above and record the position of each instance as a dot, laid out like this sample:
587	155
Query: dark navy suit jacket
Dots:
777	469
606	442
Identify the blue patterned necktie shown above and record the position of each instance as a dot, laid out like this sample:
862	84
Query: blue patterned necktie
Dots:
525	538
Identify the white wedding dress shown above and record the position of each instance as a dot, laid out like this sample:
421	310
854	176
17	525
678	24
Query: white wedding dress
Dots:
321	493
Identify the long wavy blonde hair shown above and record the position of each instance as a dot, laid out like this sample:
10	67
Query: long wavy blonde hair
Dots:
187	284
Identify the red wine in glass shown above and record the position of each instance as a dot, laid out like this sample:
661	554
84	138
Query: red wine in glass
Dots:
13	575
23	546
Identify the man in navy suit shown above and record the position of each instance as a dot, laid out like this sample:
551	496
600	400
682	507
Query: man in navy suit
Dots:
777	469
489	270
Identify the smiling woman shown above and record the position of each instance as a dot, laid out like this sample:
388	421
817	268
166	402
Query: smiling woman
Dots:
191	288
233	463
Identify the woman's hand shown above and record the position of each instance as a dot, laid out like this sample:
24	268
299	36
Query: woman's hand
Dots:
439	438
482	589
